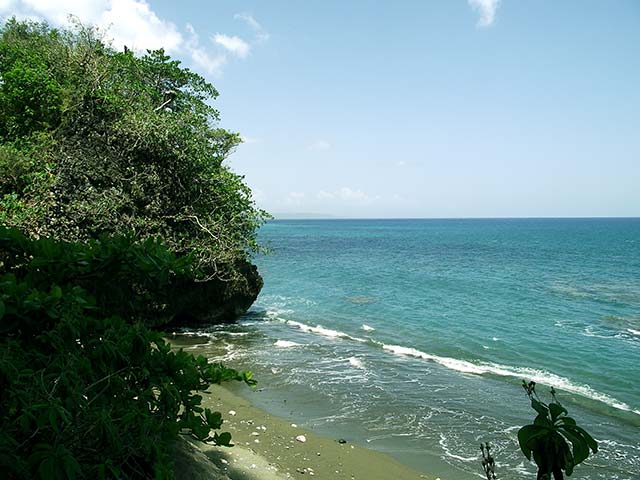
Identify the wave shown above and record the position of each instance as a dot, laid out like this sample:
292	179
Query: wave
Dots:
633	332
356	362
326	332
541	377
367	328
286	344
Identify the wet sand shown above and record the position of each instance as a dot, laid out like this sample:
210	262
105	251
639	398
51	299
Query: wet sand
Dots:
266	448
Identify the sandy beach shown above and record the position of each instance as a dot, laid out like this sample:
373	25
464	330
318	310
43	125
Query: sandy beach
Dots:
270	448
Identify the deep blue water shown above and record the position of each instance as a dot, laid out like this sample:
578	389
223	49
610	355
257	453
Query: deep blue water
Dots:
413	336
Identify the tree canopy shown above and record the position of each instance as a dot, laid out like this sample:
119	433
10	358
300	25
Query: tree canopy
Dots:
94	140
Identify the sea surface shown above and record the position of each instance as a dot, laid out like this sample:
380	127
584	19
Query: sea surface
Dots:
413	336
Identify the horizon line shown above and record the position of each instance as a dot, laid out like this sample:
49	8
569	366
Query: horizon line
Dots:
331	217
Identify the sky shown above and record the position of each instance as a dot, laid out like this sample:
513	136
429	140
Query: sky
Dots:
430	109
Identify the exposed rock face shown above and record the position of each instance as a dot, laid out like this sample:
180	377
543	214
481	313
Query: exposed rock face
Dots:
216	301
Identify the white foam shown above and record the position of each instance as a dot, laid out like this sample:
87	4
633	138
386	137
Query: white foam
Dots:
326	332
367	328
539	376
633	332
286	344
356	362
276	313
447	452
588	332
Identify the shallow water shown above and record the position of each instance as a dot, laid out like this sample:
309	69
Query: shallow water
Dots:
413	336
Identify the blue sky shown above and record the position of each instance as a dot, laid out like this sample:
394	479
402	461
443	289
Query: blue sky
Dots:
451	108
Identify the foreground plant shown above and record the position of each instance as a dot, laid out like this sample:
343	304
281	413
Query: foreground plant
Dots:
555	441
83	392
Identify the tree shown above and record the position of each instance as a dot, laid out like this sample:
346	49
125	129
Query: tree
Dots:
99	141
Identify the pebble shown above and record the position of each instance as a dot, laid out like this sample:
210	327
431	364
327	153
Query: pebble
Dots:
294	425
232	413
301	438
342	440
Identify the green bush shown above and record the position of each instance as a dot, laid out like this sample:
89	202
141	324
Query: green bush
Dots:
84	393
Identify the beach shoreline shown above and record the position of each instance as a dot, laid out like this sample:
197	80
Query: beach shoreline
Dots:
267	447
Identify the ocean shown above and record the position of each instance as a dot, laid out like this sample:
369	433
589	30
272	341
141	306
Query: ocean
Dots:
412	337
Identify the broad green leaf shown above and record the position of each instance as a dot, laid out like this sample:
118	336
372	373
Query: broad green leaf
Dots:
556	410
593	445
539	407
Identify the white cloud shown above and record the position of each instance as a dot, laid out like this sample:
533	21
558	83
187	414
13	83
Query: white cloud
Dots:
211	63
347	195
261	34
294	198
58	11
486	9
401	163
233	44
134	23
319	146
351	195
324	195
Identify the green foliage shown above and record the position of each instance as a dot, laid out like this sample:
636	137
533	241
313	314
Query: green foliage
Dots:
98	141
84	393
145	273
549	437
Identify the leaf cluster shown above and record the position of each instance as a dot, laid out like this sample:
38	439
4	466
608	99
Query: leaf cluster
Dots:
83	392
554	439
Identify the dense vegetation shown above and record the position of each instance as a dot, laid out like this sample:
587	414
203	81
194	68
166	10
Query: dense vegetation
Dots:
123	216
83	392
96	141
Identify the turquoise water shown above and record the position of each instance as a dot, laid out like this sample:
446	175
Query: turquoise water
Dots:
412	336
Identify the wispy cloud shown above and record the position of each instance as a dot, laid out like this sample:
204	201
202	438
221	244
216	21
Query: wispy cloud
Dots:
261	34
486	9
233	44
294	198
210	62
320	146
347	195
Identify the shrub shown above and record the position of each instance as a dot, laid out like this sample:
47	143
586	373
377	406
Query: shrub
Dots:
84	393
548	438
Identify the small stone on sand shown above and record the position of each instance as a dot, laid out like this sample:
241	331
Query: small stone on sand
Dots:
301	438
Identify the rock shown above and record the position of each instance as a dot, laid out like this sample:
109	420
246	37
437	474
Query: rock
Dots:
301	438
213	301
342	440
232	413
